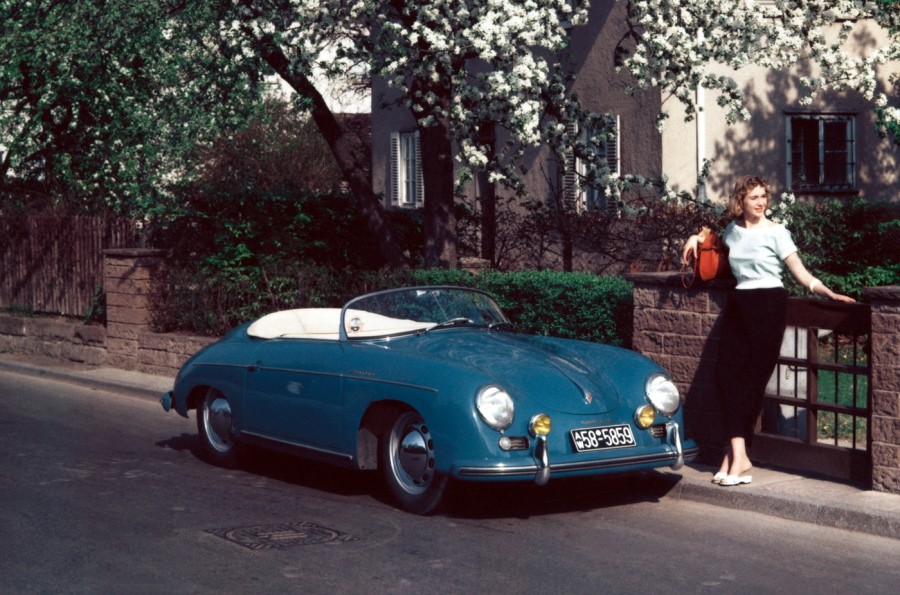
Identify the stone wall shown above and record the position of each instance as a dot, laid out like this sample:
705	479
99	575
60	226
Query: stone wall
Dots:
885	381
127	342
680	329
53	337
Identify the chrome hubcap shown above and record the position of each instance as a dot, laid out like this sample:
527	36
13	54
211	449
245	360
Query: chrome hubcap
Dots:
413	454
217	421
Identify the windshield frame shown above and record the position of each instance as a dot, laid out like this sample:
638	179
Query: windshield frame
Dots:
410	326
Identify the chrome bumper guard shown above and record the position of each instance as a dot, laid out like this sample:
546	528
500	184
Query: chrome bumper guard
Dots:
543	461
541	470
673	437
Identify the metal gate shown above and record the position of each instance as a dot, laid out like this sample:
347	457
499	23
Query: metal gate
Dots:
817	406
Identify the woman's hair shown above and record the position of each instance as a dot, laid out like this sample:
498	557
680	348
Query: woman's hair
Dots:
741	189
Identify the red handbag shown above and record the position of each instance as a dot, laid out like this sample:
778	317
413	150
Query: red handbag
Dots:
711	261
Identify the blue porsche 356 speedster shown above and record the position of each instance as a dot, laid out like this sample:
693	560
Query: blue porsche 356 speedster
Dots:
426	384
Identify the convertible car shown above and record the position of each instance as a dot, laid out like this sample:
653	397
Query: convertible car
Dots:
428	384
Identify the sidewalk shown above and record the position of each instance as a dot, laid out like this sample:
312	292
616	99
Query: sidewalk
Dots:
773	492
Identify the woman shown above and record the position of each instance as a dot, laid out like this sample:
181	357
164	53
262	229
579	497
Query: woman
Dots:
754	317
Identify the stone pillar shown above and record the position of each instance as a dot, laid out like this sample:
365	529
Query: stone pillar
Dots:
885	387
679	329
128	275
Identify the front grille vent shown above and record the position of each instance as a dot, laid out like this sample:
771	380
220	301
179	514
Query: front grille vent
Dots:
658	431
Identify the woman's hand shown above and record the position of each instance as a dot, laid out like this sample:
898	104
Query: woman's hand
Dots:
839	297
690	249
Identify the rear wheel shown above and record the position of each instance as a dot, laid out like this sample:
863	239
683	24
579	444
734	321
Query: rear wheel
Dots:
408	464
216	431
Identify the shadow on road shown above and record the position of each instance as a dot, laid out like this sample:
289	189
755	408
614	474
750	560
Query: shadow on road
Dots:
472	500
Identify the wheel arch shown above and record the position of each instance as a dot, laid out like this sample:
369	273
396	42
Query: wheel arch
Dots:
375	422
196	394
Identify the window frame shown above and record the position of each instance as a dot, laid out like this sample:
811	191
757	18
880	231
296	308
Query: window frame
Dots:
799	149
576	192
406	191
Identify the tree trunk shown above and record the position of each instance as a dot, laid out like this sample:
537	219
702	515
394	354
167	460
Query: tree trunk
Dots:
440	216
344	146
488	138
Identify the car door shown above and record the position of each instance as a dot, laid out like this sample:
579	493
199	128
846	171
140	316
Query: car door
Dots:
293	392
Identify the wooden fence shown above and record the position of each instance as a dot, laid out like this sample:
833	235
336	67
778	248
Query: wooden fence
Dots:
54	264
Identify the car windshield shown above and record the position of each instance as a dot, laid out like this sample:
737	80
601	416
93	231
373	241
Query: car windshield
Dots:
418	309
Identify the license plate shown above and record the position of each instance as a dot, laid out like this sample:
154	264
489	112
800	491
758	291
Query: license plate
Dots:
600	438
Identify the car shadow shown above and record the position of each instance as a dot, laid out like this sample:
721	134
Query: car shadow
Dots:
560	495
288	469
463	500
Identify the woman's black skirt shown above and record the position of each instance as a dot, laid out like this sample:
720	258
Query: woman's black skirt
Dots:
752	332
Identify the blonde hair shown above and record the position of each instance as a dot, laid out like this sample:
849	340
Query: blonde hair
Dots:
742	188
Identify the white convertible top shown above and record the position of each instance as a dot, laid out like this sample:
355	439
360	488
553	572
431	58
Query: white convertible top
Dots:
306	323
324	323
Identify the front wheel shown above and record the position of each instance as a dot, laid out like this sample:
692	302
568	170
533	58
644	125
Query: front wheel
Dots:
408	465
216	431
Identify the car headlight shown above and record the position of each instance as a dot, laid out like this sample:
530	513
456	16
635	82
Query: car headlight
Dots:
495	407
663	394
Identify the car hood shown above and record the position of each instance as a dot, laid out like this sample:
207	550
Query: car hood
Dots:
562	375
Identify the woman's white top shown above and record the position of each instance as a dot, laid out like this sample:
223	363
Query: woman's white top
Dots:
757	255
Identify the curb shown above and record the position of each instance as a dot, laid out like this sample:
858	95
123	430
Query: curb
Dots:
86	379
790	507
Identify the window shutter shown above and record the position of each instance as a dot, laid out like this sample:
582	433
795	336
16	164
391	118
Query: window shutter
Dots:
570	173
395	170
613	157
420	182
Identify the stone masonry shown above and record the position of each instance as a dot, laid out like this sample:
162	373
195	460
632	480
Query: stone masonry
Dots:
679	328
885	381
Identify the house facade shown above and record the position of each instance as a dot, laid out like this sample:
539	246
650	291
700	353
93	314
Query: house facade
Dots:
829	148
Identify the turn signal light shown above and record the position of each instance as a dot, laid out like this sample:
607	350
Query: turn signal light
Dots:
540	425
644	416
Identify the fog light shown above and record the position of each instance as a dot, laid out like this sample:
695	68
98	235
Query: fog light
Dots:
513	443
540	425
644	416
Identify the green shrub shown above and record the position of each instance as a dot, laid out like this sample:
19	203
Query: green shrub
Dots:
849	246
569	305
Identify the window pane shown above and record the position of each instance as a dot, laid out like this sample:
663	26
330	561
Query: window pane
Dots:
836	147
805	151
409	168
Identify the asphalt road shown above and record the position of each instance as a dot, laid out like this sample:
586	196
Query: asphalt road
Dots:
102	492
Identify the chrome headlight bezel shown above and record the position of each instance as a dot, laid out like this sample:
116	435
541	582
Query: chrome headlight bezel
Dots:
495	407
662	393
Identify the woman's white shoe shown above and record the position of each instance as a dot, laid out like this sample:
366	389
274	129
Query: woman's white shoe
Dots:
733	480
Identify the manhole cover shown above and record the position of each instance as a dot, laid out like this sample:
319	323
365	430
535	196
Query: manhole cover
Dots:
281	536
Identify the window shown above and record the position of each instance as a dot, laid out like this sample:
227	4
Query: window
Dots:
578	191
407	190
821	152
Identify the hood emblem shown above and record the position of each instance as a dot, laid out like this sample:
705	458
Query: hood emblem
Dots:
588	397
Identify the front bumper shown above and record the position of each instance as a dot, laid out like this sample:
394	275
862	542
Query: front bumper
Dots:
674	456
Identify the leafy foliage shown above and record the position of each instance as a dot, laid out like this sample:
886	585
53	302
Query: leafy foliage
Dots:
848	245
103	99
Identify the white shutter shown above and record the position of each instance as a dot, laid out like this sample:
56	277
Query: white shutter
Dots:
570	193
420	182
613	156
396	161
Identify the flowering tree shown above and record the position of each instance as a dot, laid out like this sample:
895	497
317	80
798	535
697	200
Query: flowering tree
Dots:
677	42
460	67
483	79
100	101
106	96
